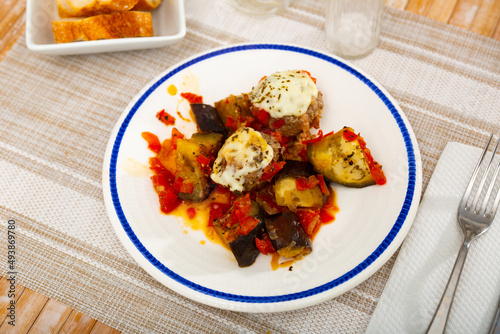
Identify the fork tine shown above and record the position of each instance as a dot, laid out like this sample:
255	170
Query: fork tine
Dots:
493	181
497	199
465	197
483	181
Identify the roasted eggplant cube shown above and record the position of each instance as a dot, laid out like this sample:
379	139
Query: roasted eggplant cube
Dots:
243	247
287	235
288	195
286	192
208	119
266	198
341	160
236	107
188	166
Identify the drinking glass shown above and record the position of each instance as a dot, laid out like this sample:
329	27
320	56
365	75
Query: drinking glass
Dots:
353	26
261	7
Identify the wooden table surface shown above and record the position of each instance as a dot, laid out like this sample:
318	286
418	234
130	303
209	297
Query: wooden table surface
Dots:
36	313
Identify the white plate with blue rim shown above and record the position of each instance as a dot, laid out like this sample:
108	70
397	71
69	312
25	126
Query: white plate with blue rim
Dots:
368	229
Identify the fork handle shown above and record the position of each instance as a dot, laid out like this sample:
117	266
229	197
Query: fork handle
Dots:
438	323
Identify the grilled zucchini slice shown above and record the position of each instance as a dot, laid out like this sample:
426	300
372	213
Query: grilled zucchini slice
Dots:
286	192
188	166
341	160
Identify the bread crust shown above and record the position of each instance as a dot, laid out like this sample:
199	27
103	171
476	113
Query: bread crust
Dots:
64	9
86	8
146	5
105	26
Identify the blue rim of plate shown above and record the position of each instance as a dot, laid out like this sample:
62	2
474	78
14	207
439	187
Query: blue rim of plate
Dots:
287	297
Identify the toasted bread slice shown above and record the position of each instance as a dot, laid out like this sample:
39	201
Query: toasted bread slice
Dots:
87	8
146	5
64	9
106	26
109	6
82	7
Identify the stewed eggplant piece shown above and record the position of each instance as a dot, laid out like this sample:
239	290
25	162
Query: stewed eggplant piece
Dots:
341	158
287	235
208	119
267	200
244	248
239	228
288	191
192	158
234	111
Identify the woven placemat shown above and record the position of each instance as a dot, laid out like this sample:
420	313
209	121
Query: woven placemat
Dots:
57	114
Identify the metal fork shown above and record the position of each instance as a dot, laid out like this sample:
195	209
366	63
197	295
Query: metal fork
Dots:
474	217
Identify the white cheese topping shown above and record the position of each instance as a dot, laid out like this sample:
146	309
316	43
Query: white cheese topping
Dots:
286	93
243	153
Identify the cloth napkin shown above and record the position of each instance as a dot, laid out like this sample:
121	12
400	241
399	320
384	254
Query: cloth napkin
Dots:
428	254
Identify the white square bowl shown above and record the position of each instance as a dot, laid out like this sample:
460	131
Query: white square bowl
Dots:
169	26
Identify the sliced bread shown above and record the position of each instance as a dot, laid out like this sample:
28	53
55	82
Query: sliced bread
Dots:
106	26
146	5
65	10
109	6
86	8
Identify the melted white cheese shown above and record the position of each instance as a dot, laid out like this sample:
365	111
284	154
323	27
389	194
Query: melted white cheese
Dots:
286	93
243	153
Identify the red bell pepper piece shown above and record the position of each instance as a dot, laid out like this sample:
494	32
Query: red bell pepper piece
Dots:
247	225
349	135
165	117
263	116
271	170
182	186
375	167
192	98
168	200
310	220
176	134
217	211
302	183
153	141
325	216
231	123
204	163
155	165
264	245
278	123
322	185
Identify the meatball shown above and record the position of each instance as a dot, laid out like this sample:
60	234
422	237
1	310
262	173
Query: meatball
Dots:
296	125
242	159
291	99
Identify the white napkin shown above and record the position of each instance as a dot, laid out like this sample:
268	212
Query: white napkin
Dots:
428	254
